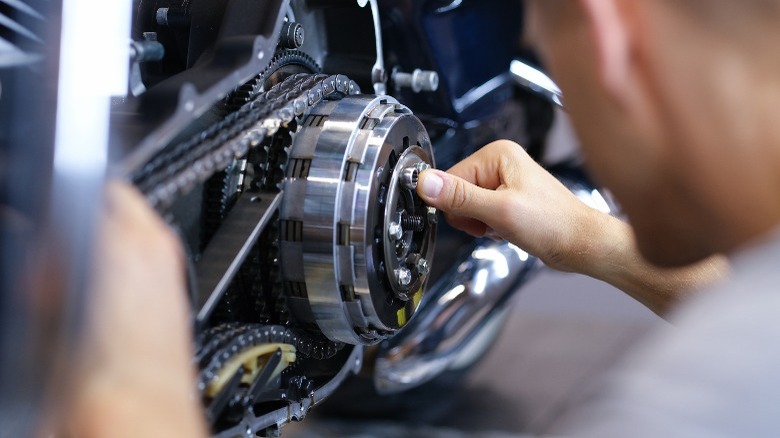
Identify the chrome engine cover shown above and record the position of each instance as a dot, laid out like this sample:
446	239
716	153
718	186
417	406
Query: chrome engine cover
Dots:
356	239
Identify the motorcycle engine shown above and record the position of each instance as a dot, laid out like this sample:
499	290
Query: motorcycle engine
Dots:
295	195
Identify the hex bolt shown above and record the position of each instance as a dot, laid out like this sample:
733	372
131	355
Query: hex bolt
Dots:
404	276
418	80
409	177
422	267
422	166
395	231
433	215
292	35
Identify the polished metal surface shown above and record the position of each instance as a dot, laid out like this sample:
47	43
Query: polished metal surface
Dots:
454	311
230	247
344	203
378	72
417	81
535	80
398	207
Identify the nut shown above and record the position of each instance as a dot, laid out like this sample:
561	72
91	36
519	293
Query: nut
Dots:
422	267
404	276
409	177
432	215
422	166
395	231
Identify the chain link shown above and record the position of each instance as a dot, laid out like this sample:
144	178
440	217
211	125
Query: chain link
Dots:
178	169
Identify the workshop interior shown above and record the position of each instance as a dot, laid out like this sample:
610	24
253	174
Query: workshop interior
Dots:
283	141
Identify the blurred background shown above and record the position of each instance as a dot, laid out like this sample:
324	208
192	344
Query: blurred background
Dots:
564	333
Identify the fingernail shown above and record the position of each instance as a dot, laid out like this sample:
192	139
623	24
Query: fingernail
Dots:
432	185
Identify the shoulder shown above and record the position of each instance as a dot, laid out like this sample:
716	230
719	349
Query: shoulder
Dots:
714	371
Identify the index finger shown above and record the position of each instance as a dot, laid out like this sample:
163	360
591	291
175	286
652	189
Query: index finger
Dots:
484	168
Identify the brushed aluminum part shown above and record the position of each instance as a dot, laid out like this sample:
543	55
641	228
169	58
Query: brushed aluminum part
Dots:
342	193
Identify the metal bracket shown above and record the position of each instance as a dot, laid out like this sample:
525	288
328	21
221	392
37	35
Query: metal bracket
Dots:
378	72
230	246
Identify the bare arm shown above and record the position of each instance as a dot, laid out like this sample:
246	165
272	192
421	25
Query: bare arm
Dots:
136	377
612	256
500	188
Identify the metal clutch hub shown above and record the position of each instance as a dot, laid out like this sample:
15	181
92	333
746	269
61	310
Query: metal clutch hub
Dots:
355	238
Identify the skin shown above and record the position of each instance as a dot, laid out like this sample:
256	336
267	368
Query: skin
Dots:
136	378
652	87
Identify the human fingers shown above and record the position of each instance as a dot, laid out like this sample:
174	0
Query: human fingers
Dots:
462	201
486	167
490	168
136	360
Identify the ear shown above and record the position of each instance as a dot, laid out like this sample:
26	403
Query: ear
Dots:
609	29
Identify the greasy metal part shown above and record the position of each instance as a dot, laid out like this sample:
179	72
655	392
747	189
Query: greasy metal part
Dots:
537	81
230	246
338	248
452	313
378	72
417	81
295	410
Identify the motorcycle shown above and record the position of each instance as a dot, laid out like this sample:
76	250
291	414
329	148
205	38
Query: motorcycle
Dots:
283	140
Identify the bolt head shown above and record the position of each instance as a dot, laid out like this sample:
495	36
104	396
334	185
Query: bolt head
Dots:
404	276
433	215
395	231
409	177
422	267
422	166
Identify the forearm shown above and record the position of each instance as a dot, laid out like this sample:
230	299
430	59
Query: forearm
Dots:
613	257
111	409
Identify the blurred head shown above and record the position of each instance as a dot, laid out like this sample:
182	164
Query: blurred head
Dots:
674	102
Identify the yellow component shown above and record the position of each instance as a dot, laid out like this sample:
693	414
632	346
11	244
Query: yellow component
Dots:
252	360
417	297
402	316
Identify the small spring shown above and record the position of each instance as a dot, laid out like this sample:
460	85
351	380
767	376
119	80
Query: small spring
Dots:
415	223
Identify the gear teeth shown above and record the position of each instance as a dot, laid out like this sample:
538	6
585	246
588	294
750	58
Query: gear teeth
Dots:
250	90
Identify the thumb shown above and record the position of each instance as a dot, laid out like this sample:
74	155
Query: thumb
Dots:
455	196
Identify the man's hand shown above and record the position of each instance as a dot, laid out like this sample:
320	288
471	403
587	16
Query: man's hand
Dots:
136	377
501	190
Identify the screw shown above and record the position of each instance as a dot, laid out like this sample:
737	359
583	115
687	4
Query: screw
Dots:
418	80
409	178
433	215
422	166
422	267
404	276
395	231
